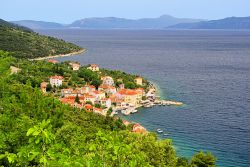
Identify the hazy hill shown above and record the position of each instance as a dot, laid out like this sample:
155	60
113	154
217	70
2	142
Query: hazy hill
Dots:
110	23
227	23
39	24
121	23
24	43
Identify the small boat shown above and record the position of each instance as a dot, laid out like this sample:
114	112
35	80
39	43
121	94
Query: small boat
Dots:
134	111
165	134
159	131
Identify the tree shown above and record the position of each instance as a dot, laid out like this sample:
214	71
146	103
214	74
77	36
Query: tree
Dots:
89	102
182	162
48	87
77	99
130	85
98	105
203	159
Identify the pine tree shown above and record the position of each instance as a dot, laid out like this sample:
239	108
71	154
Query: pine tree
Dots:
77	100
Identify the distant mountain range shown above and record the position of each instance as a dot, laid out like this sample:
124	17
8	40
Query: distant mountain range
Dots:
162	22
227	23
110	23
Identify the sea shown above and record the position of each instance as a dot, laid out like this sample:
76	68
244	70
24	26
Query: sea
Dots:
207	70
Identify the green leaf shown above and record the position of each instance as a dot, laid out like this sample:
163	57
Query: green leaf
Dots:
2	156
33	155
30	131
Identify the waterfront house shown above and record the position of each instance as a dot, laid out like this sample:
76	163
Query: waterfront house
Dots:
53	61
125	122
140	93
93	67
75	66
137	128
138	80
43	86
107	80
56	81
129	96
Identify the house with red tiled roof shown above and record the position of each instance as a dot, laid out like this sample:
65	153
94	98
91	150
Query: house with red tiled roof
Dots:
75	66
87	89
107	89
53	61
88	107
89	98
66	92
71	100
99	111
129	96
137	128
56	80
93	67
125	122
98	95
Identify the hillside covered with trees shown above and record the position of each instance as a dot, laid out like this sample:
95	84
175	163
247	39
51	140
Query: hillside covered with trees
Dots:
24	43
38	130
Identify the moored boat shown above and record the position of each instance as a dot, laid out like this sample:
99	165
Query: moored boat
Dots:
159	131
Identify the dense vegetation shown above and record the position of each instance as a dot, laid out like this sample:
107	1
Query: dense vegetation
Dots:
24	43
37	130
38	71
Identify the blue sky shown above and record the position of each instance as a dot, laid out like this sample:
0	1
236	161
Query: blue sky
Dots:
66	11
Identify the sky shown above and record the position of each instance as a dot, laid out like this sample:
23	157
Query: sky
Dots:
67	11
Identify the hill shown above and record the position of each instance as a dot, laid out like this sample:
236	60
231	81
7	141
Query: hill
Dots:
227	23
121	23
24	43
6	24
111	23
39	24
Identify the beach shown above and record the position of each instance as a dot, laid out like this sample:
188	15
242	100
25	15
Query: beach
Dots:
61	55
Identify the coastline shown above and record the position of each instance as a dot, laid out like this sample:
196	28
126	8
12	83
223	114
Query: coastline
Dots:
60	55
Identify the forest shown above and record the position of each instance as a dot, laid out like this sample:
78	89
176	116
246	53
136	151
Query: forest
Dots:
38	130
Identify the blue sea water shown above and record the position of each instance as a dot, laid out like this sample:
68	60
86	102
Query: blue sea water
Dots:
207	70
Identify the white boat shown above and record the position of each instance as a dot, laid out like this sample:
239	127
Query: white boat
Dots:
126	112
159	131
134	111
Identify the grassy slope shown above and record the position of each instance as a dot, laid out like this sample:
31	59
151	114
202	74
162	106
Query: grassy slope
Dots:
24	43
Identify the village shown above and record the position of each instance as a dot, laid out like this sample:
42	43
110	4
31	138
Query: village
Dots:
107	99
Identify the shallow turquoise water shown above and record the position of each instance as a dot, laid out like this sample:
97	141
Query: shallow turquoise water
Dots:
207	70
